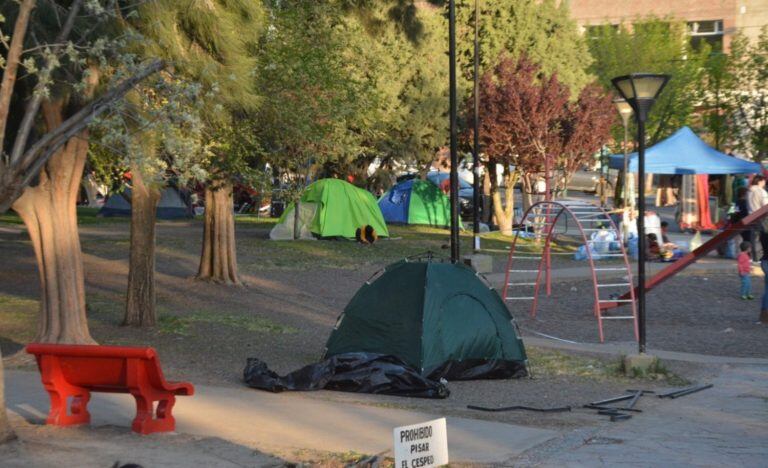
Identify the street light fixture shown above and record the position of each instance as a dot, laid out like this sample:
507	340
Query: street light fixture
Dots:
640	91
625	111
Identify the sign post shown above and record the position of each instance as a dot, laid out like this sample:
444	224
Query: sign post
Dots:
421	445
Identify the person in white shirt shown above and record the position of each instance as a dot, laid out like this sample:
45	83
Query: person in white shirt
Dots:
757	196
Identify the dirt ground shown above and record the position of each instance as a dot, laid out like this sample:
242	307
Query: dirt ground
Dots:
296	290
692	314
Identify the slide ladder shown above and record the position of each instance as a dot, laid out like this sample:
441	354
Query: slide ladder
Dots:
530	269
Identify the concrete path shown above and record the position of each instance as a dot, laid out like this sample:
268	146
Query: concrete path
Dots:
726	425
283	422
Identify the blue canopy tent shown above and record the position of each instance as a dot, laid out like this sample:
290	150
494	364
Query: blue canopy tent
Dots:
685	153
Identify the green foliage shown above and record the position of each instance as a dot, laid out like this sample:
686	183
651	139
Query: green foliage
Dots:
542	30
412	82
717	105
655	46
749	63
322	100
212	42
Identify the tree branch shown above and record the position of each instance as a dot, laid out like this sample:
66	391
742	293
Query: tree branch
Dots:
37	97
12	64
21	175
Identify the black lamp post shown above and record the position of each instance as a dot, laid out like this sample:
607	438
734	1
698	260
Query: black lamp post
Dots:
476	148
640	90
454	156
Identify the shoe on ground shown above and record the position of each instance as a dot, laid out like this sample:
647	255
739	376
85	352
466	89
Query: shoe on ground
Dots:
750	297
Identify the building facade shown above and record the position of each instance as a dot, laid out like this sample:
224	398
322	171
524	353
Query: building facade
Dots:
713	21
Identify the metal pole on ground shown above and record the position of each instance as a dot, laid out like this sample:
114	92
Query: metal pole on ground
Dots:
641	235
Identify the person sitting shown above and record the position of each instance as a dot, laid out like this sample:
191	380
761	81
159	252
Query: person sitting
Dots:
666	243
653	249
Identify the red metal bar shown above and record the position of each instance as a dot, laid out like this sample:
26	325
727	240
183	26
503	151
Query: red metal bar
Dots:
691	257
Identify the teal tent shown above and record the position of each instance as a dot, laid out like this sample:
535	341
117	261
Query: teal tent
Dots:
416	201
433	316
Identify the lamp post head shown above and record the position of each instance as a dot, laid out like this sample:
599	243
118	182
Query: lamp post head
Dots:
640	91
625	110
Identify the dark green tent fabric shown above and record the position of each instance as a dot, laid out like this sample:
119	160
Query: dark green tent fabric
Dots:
428	313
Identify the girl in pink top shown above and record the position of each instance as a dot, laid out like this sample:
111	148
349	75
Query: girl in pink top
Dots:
745	268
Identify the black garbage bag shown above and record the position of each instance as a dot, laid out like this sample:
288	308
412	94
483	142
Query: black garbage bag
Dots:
350	372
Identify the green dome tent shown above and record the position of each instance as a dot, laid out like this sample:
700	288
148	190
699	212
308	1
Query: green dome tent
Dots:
331	208
440	318
416	201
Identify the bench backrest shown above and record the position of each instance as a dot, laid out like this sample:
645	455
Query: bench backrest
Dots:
101	368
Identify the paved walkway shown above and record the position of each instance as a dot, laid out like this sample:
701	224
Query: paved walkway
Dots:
283	422
723	426
726	425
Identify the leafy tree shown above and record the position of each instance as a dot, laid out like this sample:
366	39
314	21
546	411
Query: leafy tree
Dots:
411	81
586	127
749	95
64	54
717	103
656	46
212	47
65	40
542	30
319	100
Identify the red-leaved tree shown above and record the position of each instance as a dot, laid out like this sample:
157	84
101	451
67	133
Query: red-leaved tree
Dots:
585	129
521	116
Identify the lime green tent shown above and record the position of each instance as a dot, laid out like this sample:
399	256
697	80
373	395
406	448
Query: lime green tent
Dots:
331	208
434	316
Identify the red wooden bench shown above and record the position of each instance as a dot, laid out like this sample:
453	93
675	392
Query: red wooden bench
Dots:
71	372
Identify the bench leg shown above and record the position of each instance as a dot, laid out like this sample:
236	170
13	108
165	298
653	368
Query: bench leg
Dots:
148	421
60	392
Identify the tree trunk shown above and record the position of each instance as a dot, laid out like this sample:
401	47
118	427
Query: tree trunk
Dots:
218	262
6	433
50	213
505	211
486	211
296	222
140	304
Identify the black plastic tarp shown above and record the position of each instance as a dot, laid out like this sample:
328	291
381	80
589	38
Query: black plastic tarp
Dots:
376	373
350	372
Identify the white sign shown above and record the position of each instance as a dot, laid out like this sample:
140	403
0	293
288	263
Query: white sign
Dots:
421	445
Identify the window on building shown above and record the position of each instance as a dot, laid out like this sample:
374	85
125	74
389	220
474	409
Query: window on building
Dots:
706	32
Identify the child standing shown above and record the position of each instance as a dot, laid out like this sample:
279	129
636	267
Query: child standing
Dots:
745	268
